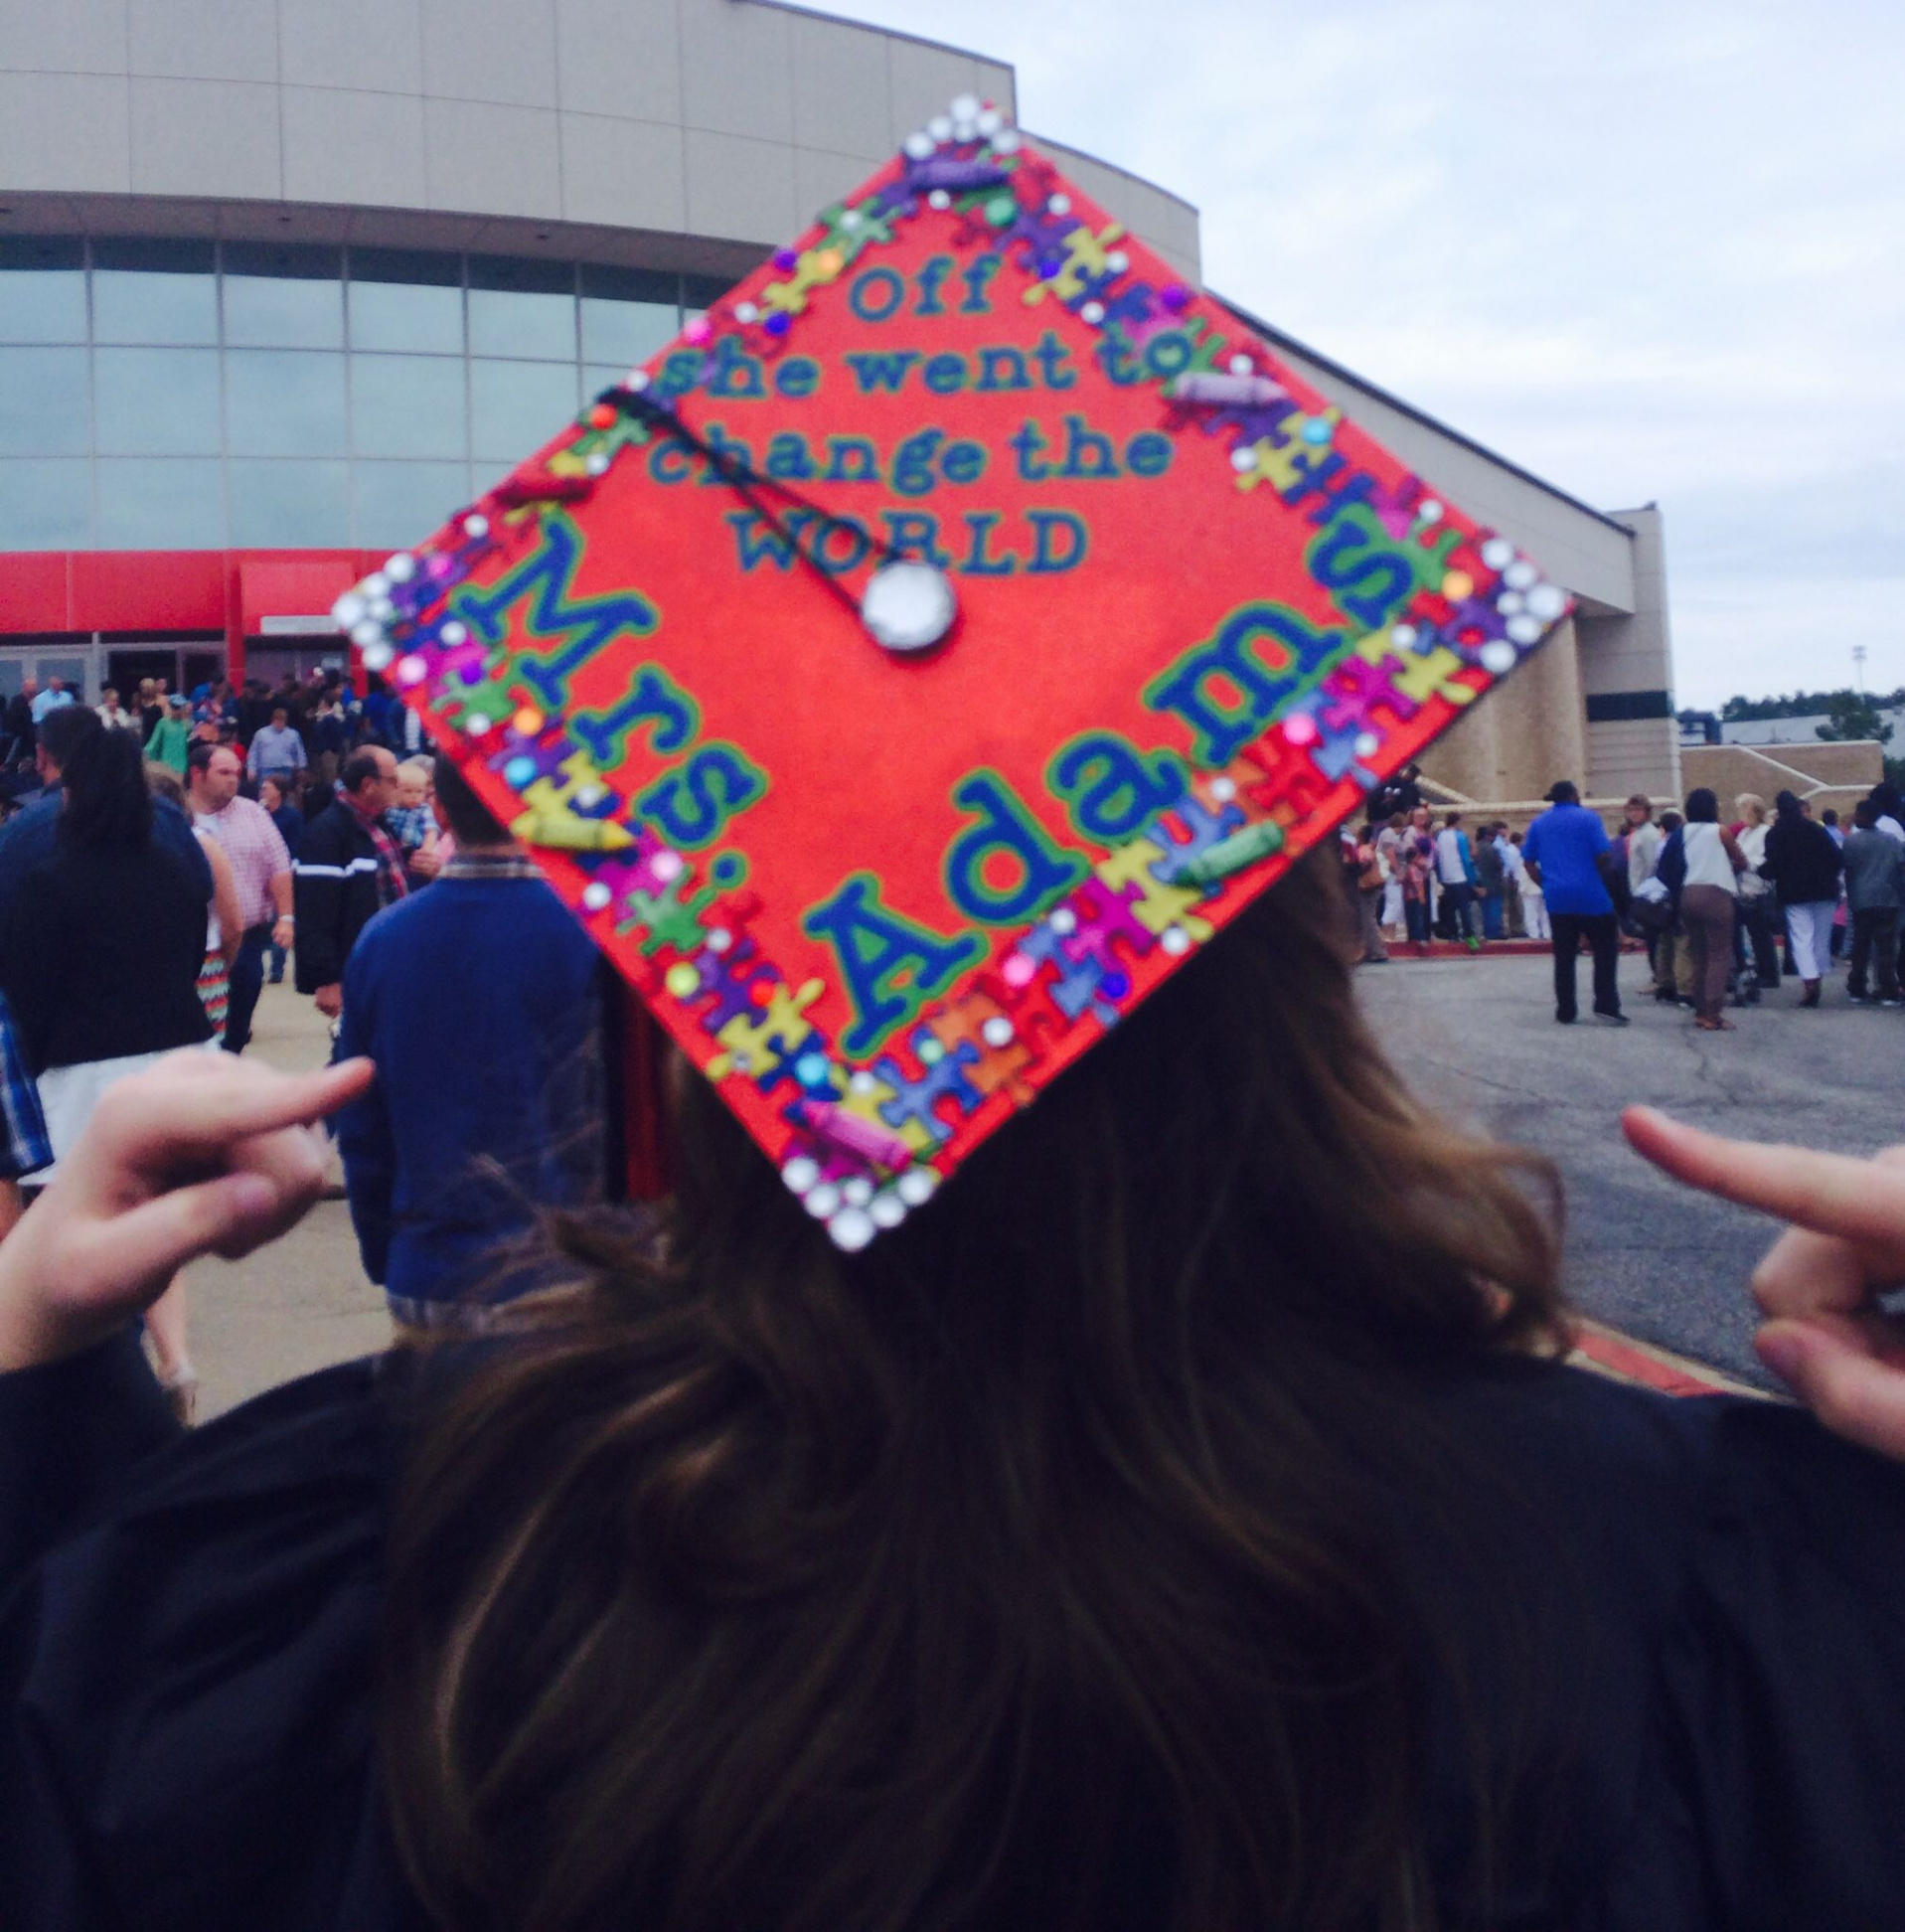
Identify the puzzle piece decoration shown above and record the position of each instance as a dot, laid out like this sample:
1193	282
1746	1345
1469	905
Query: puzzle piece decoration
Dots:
1203	825
1159	904
761	1041
915	1101
1082	268
1000	1055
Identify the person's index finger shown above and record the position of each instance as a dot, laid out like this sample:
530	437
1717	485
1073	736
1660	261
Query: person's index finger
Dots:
201	1115
1831	1194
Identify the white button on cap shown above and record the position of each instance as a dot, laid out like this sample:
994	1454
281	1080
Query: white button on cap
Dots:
907	606
852	1229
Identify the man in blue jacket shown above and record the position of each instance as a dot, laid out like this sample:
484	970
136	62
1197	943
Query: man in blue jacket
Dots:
1562	852
483	1003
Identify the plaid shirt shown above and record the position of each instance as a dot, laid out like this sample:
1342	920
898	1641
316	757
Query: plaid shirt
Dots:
409	825
392	884
24	1147
257	851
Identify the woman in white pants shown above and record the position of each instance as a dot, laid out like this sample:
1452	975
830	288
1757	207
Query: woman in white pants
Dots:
1803	862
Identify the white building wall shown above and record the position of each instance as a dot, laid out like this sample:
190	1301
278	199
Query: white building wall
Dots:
714	128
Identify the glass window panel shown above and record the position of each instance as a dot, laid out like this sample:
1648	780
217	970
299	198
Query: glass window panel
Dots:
71	669
292	298
630	284
156	401
154	291
408	405
521	308
603	376
43	290
423	318
172	505
44	410
414	266
506	323
284	402
625	332
403	503
46	505
701	293
290	505
516	408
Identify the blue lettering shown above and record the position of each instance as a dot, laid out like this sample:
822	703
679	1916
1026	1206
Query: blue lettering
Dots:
888	965
1110	789
882	370
1043	870
874	294
689	806
1224	689
1047	561
587	623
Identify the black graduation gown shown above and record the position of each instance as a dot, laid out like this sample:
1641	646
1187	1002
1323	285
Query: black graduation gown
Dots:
1715	1590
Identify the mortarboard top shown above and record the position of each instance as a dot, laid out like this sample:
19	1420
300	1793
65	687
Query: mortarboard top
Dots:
928	651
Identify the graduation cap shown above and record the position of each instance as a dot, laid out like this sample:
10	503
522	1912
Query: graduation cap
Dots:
916	662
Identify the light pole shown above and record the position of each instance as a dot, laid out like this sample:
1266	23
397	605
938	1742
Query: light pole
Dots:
1858	667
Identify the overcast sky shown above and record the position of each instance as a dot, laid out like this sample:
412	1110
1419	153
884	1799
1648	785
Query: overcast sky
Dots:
1650	252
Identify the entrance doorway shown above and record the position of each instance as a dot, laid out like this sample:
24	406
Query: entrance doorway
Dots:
129	665
183	666
69	660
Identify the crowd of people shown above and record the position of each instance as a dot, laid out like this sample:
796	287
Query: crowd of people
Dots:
158	865
1723	909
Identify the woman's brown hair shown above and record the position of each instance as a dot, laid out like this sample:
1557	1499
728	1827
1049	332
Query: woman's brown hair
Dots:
1020	1570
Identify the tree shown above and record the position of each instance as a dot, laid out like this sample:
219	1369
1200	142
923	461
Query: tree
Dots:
1852	714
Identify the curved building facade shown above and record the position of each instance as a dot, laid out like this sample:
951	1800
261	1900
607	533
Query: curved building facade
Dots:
284	281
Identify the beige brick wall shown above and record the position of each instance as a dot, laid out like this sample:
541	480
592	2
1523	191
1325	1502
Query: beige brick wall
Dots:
1839	775
1523	735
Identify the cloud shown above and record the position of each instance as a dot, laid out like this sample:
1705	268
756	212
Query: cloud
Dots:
1650	253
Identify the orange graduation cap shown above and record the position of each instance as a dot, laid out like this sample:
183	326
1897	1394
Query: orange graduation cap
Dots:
919	659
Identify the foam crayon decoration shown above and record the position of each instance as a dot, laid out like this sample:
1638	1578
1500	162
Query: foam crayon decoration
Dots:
1225	391
562	831
1231	855
849	1134
954	176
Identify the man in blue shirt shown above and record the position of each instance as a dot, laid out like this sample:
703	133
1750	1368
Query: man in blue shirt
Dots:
54	698
485	1006
1562	852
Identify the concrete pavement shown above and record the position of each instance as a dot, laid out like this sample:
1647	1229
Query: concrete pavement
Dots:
304	1303
1478	1038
